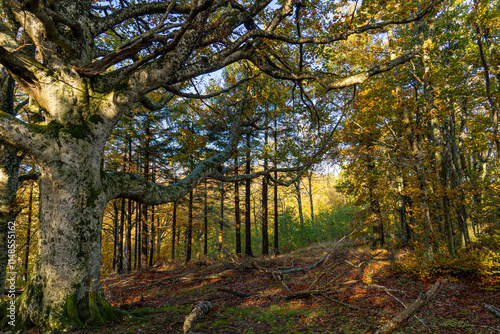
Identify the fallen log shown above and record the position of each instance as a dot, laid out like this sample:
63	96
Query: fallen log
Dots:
420	302
234	292
199	309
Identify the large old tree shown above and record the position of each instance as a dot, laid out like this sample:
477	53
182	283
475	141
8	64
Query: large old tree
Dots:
94	61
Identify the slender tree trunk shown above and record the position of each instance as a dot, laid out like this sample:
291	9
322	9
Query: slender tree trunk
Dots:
265	233
265	182
404	211
159	236
299	204
153	237
375	215
116	233
221	221
248	229
145	220
189	230
119	268
144	236
205	220
276	211
309	180
128	236
450	235
174	223
138	235
28	233
237	215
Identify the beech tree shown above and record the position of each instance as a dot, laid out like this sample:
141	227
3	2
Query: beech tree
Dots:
92	63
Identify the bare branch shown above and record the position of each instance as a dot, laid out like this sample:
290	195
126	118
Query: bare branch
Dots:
267	34
137	10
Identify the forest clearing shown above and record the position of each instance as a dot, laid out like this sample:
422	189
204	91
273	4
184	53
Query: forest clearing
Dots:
250	166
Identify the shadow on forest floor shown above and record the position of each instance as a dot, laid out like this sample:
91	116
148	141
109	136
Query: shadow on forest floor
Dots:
353	289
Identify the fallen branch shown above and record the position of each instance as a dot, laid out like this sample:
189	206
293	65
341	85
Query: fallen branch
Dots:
420	302
200	309
493	310
234	292
299	269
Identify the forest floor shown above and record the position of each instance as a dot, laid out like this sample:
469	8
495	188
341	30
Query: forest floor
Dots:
354	289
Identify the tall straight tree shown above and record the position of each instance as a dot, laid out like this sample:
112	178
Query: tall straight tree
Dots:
248	183
85	79
237	214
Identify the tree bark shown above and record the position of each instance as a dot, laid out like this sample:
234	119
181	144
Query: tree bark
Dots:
72	203
153	238
189	229
205	220
121	230
221	218
174	223
248	229
265	182
276	212
28	234
128	237
299	205
200	309
115	234
237	214
309	180
9	170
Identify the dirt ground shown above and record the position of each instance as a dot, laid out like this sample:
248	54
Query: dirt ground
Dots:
352	291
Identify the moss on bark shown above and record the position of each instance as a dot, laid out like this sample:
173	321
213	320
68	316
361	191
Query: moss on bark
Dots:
91	311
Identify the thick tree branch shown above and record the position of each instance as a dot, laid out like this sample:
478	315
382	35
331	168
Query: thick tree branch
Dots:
51	33
150	105
129	185
28	138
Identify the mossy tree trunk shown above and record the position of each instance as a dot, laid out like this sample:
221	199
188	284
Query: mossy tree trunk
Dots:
65	290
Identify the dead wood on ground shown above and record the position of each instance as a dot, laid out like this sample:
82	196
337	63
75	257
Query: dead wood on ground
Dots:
420	302
199	309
